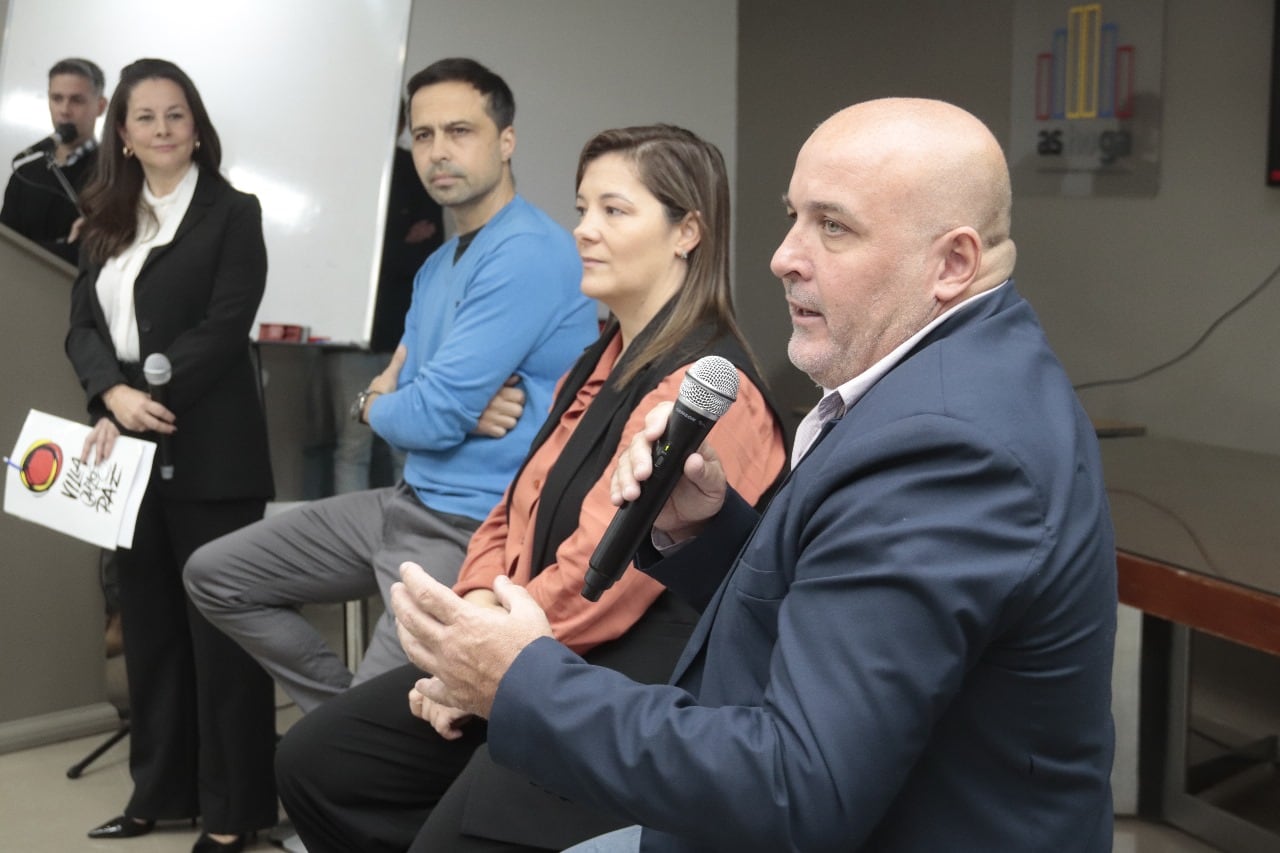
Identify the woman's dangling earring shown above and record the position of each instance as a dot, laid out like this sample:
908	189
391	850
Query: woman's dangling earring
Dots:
128	152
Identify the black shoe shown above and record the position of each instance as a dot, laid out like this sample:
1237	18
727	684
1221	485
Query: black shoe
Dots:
205	844
122	827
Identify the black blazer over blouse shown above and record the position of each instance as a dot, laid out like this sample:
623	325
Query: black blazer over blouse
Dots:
195	299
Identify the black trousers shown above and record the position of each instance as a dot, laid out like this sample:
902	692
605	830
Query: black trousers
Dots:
202	712
360	772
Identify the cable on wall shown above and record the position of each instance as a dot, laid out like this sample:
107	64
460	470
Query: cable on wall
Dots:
1266	282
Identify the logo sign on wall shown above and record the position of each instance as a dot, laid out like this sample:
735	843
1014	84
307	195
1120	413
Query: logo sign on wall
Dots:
1086	97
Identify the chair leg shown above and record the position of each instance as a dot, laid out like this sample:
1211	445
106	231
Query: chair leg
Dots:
76	769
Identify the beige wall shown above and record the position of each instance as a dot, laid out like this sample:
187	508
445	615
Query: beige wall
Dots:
51	612
1120	284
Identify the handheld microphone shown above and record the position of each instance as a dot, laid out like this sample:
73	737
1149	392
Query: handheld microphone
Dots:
709	387
158	372
64	132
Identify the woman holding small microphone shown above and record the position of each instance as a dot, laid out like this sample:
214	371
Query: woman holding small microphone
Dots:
174	263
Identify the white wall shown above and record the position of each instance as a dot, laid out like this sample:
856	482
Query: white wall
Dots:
580	66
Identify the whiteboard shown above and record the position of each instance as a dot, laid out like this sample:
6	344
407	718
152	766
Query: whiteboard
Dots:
304	96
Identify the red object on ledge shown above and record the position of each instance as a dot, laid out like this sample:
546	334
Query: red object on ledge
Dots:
287	332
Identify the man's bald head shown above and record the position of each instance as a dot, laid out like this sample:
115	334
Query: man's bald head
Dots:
901	212
943	166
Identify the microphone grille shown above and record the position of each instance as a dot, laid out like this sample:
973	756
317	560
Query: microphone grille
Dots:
157	369
710	386
66	131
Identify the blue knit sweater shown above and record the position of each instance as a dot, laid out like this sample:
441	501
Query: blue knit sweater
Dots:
511	305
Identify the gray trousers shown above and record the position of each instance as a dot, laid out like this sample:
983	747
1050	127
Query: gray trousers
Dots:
251	583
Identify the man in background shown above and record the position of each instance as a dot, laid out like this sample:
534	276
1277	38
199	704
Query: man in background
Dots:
36	203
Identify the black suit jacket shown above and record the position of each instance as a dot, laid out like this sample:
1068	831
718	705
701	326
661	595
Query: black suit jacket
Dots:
37	207
195	300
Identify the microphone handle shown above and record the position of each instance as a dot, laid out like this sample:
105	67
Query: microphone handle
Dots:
160	393
634	519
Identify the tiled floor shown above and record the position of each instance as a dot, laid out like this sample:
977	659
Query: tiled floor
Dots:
42	811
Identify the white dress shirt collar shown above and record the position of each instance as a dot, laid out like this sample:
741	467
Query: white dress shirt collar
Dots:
850	392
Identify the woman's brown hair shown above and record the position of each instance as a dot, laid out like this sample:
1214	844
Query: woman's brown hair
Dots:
687	174
112	198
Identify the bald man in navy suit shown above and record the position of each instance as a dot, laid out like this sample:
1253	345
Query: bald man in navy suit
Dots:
911	650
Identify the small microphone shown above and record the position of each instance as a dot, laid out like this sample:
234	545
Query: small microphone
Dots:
158	372
709	387
64	132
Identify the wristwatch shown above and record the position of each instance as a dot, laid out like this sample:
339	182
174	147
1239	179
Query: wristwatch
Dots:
362	400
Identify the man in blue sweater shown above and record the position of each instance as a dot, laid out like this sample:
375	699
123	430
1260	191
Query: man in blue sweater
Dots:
499	300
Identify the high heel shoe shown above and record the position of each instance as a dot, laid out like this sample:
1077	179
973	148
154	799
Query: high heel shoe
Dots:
205	844
122	827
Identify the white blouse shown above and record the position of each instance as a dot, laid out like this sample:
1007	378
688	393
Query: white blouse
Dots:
118	275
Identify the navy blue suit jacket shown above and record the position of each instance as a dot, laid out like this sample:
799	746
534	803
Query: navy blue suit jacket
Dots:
911	652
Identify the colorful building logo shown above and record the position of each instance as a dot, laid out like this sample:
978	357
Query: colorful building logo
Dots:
1087	73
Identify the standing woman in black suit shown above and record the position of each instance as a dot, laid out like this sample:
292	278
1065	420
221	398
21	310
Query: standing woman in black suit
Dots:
173	262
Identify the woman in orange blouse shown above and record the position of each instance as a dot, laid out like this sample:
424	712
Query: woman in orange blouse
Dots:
653	234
